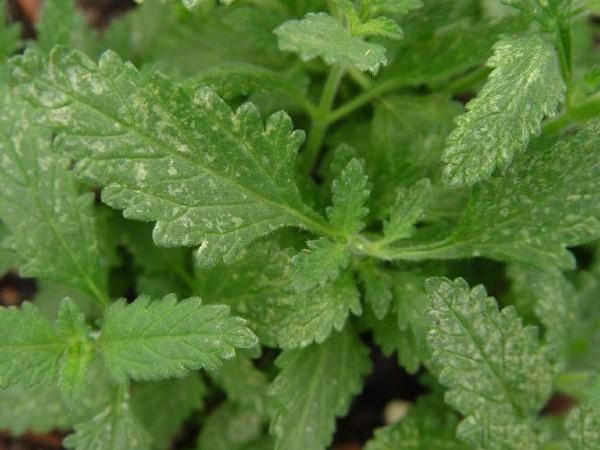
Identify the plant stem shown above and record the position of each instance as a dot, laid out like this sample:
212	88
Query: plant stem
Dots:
320	120
364	98
576	114
379	249
564	52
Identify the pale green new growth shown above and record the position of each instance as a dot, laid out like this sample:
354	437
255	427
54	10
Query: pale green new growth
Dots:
583	426
496	374
407	210
525	86
350	193
75	364
30	348
546	201
207	175
52	225
378	290
115	428
150	340
277	313
316	385
321	35
321	262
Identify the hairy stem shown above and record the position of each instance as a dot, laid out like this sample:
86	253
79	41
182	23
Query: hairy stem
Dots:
320	120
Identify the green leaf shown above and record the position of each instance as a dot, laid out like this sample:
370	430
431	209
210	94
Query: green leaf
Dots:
50	295
403	330
162	270
397	7
495	371
207	175
378	289
321	262
114	428
583	427
231	80
55	23
545	12
9	35
29	347
243	383
51	223
525	86
234	427
408	209
546	201
38	409
263	295
419	125
350	194
150	340
555	304
316	385
75	363
439	47
163	406
320	35
41	408
426	427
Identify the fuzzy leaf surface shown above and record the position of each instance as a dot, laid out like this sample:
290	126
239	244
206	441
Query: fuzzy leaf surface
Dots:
207	175
316	385
51	224
583	426
321	262
150	340
321	35
30	348
350	194
525	86
495	371
115	428
546	201
277	313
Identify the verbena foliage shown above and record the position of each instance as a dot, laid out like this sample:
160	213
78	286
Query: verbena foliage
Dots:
154	162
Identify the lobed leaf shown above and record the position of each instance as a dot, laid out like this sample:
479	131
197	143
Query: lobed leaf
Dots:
525	86
546	201
206	175
51	224
276	312
30	348
496	373
316	385
321	35
350	194
151	340
583	426
115	427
